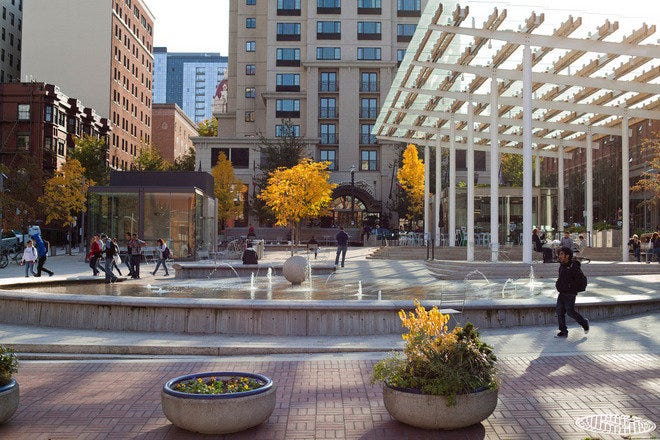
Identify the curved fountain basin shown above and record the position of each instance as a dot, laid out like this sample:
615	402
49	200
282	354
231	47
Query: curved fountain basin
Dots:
227	270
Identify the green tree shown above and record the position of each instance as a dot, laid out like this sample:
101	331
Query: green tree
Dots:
208	127
92	153
228	190
150	159
298	193
65	194
185	162
282	152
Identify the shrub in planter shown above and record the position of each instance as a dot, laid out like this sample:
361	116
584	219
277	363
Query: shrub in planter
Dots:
218	403
440	368
9	390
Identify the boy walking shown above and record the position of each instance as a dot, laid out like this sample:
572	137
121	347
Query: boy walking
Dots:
571	281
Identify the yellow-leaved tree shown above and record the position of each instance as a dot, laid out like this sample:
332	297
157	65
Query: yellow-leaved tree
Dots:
411	179
298	193
650	178
228	190
65	194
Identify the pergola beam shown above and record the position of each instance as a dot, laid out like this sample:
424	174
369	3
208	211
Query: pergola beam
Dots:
555	42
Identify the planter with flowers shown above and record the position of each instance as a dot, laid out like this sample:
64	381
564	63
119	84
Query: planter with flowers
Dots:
8	386
218	403
444	379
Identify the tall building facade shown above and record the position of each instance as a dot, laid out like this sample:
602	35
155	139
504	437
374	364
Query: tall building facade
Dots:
188	80
325	65
172	131
10	40
111	67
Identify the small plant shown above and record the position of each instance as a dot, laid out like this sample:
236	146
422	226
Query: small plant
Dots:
213	385
437	361
8	364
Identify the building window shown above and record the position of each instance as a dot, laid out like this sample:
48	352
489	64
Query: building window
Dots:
287	108
328	53
239	157
409	8
368	53
287	82
369	30
328	30
328	108
287	131
250	69
400	53
368	160
249	116
250	92
369	7
48	113
250	46
328	6
288	7
369	82
288	32
23	112
404	32
328	82
329	156
368	108
287	57
250	2
328	134
250	23
366	138
23	141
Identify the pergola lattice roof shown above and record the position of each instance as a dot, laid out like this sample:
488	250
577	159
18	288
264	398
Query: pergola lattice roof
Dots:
587	73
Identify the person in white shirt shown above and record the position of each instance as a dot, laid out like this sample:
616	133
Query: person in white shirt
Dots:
29	258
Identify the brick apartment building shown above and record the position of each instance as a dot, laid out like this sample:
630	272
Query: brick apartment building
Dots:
172	130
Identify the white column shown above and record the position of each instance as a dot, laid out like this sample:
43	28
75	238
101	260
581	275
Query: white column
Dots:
537	172
527	155
427	195
494	172
560	189
625	189
438	190
469	159
452	183
589	182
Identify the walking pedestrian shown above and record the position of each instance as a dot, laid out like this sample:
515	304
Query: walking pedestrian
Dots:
342	246
110	251
163	254
127	257
29	258
95	253
135	247
42	254
571	280
116	259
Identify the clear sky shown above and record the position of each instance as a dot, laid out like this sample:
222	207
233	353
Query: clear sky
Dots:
191	26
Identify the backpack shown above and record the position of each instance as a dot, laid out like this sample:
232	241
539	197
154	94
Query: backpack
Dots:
166	253
580	281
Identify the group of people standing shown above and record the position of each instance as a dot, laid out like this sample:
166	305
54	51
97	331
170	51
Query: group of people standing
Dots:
652	247
35	252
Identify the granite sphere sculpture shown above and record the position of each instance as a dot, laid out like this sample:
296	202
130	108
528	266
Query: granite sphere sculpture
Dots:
295	269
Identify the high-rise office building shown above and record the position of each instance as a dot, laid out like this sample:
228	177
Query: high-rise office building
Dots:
11	23
188	80
100	51
327	66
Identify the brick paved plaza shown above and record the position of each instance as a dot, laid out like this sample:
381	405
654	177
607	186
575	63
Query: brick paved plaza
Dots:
323	398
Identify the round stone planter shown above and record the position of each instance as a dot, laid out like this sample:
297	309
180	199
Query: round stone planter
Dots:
218	413
8	400
431	412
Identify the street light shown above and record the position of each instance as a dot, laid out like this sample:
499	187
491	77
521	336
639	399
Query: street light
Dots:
353	194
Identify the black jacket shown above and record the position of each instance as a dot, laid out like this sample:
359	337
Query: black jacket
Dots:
250	256
568	276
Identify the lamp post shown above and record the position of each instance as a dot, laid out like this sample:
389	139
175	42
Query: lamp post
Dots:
353	194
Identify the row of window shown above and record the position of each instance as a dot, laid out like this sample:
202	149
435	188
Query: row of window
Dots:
331	30
290	56
136	30
290	108
11	38
12	18
292	7
11	59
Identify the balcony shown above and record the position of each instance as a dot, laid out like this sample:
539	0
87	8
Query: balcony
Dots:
369	87
289	12
329	139
328	86
287	88
369	11
328	36
328	10
288	37
286	114
287	63
409	13
369	36
328	113
403	38
368	113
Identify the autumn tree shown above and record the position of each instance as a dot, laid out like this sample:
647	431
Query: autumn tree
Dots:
650	178
228	190
65	194
411	179
92	153
185	162
208	127
21	191
512	169
298	193
150	159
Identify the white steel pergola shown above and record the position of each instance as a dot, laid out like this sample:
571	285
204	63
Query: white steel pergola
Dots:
549	86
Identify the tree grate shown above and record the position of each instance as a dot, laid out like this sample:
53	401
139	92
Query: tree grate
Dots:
618	424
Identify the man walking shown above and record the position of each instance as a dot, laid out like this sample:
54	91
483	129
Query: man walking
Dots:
95	253
42	253
342	246
127	258
135	250
109	251
571	281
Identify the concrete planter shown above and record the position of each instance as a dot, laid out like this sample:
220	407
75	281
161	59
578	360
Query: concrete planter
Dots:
218	413
431	412
8	400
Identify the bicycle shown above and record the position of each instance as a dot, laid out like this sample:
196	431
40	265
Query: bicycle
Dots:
4	259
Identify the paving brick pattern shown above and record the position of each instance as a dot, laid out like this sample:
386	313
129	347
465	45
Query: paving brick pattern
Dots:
540	398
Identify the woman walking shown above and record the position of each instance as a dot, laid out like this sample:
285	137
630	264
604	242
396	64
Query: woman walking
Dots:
29	258
163	255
